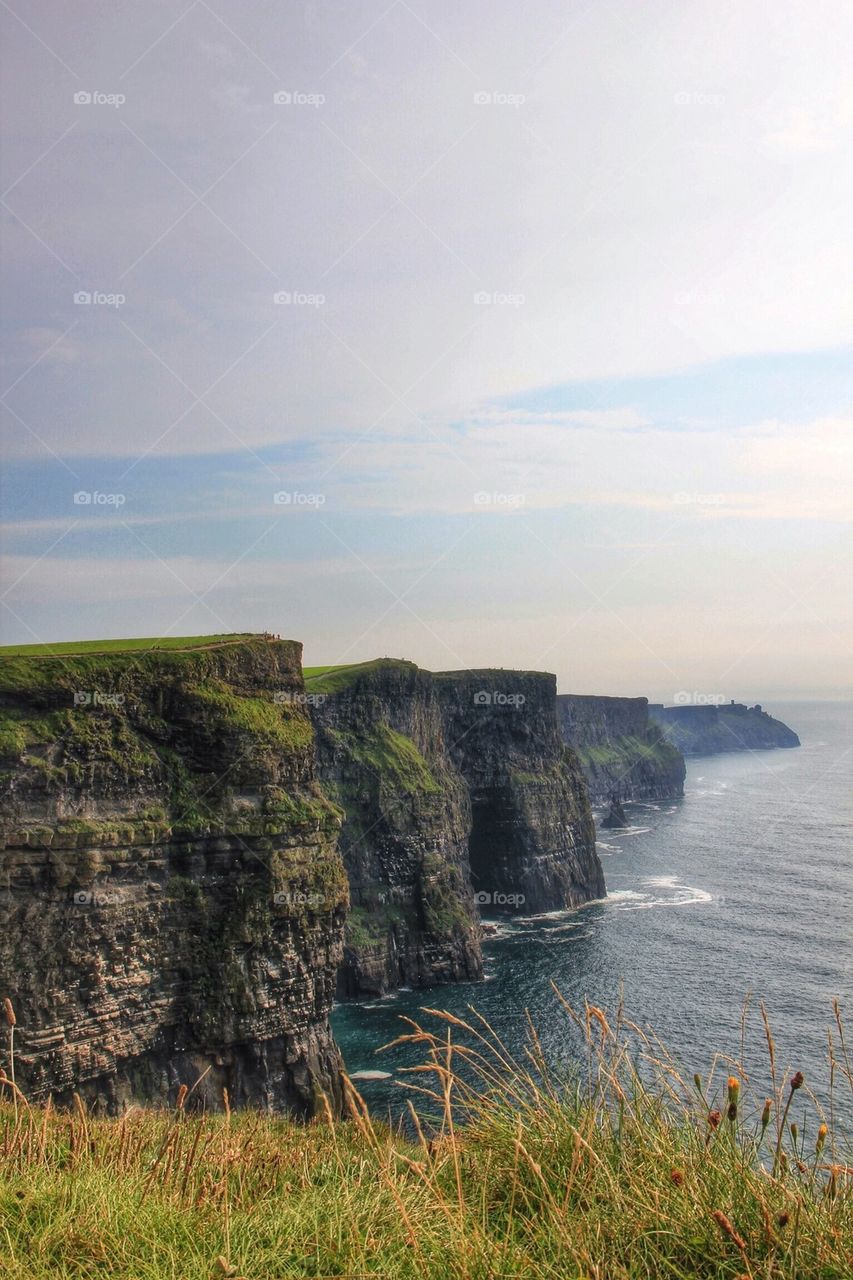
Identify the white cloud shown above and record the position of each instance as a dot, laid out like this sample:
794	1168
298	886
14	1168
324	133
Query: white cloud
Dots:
636	173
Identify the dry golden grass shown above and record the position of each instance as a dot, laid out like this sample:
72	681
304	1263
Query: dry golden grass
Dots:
635	1172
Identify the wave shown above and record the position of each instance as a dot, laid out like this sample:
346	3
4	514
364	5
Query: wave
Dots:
679	895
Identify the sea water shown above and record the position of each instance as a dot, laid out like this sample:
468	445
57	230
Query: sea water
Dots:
740	892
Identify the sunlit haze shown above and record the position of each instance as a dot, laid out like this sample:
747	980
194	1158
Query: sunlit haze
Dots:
480	335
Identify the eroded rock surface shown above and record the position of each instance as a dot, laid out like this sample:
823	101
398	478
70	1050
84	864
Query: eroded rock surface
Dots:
172	896
623	753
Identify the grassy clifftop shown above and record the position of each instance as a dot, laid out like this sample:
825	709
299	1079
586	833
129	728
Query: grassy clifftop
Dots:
144	731
137	645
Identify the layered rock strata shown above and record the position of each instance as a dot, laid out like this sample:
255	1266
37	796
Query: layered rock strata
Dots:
171	893
625	755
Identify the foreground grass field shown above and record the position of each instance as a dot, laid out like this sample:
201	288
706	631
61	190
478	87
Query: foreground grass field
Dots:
622	1177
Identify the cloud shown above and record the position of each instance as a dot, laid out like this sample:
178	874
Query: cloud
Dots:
587	213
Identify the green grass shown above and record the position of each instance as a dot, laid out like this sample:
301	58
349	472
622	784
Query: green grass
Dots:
634	1173
390	757
122	646
333	679
368	926
627	750
279	725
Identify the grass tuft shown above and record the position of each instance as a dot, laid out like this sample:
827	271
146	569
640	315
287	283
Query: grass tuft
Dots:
633	1172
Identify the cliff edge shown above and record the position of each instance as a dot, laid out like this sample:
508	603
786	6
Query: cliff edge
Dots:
382	757
172	895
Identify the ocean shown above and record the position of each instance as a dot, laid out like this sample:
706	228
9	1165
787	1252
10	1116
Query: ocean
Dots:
740	892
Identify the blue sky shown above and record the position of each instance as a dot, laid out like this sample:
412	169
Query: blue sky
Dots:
630	463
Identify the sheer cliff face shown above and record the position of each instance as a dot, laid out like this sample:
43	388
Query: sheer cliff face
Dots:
382	757
453	800
532	844
708	730
172	885
172	896
624	755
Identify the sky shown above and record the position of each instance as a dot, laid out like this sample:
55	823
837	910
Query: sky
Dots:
477	334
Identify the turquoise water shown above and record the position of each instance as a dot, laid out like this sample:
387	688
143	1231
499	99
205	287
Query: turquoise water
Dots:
742	889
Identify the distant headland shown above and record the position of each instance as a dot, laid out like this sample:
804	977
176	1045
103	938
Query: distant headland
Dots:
731	726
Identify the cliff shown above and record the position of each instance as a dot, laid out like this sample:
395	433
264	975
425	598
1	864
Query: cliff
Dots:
458	795
623	754
172	896
382	756
708	730
182	829
532	843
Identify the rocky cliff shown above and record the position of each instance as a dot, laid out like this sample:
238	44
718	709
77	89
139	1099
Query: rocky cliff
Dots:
459	799
532	843
708	730
624	754
171	892
181	831
382	756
